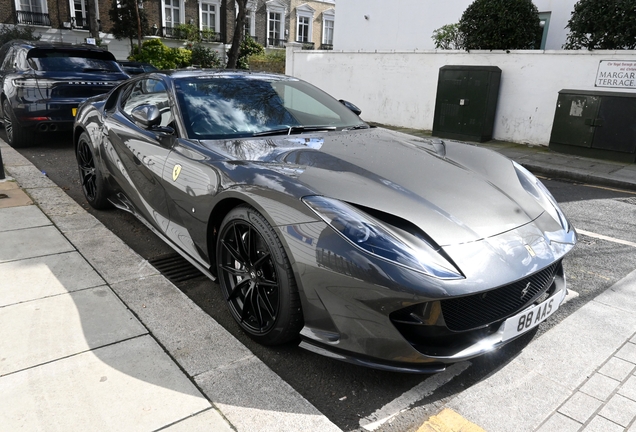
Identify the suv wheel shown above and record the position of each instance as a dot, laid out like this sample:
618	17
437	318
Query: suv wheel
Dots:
17	136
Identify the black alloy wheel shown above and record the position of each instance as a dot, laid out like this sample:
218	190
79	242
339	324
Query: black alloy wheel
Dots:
17	136
256	278
90	176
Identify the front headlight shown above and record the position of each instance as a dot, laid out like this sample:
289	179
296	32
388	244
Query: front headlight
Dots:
389	243
538	191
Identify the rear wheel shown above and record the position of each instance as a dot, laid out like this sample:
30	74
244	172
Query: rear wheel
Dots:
91	178
17	136
256	278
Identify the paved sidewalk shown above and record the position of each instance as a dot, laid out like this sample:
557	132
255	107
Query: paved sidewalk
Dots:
94	338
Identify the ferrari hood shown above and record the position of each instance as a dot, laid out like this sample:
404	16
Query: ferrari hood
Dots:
456	193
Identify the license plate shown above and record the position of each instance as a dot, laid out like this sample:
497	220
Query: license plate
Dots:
530	318
74	111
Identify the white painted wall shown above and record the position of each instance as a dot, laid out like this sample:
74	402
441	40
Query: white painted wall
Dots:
399	88
408	25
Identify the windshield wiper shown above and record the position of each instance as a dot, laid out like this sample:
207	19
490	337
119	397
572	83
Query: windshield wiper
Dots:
362	126
295	129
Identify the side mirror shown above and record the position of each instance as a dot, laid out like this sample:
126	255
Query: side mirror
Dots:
146	116
357	111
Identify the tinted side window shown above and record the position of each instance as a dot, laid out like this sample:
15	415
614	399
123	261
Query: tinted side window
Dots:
7	64
148	91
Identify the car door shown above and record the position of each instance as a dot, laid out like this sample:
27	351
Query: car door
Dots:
138	155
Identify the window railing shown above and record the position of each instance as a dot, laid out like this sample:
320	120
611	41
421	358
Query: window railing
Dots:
278	43
326	46
33	18
307	45
205	35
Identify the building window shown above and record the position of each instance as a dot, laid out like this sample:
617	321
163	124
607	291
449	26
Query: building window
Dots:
32	12
210	16
79	13
303	30
172	13
544	20
276	33
328	19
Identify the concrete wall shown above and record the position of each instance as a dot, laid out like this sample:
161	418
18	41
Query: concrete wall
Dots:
408	25
399	88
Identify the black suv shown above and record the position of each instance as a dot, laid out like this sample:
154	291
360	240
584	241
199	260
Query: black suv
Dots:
42	83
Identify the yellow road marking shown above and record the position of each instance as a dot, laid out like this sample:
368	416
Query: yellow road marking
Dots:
449	421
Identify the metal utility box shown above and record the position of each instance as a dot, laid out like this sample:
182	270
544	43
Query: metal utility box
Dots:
466	102
599	124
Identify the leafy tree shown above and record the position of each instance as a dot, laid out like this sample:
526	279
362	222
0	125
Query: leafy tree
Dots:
448	37
501	24
8	33
249	47
129	21
239	33
159	55
602	24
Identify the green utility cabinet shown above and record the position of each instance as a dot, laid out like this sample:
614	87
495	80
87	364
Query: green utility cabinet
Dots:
466	102
599	124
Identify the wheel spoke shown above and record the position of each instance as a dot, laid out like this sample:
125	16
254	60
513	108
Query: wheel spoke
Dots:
248	294
234	271
237	290
259	262
235	254
269	283
268	305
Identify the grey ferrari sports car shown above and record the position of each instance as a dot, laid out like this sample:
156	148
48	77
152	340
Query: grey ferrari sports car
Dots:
367	245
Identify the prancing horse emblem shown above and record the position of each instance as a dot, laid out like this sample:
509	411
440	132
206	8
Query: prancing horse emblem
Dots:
175	172
525	290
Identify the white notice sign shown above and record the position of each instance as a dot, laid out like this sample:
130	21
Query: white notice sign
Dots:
616	73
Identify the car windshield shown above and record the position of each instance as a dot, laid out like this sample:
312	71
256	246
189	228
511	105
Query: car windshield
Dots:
230	106
72	60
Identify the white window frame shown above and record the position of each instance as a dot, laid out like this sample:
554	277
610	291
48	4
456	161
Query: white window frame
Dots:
328	15
305	11
181	13
43	6
217	14
84	15
276	7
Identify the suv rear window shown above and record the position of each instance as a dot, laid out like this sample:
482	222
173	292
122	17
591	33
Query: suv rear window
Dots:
72	60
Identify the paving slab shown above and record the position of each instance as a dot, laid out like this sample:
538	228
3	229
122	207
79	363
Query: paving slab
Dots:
44	330
32	242
14	218
258	400
207	421
110	256
560	423
80	222
580	407
15	197
35	278
129	386
194	339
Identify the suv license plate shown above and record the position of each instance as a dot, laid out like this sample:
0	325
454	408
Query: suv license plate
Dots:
530	318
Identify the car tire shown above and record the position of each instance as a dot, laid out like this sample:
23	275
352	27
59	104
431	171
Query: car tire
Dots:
91	178
17	136
256	278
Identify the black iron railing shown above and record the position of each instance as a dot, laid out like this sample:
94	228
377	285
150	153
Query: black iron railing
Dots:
211	36
326	46
278	43
205	35
307	45
33	18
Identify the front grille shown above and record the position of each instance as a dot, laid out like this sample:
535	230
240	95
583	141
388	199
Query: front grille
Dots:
478	310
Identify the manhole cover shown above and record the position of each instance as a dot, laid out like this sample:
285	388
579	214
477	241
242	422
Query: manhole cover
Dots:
175	267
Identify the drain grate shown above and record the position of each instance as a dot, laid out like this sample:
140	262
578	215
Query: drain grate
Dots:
175	267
